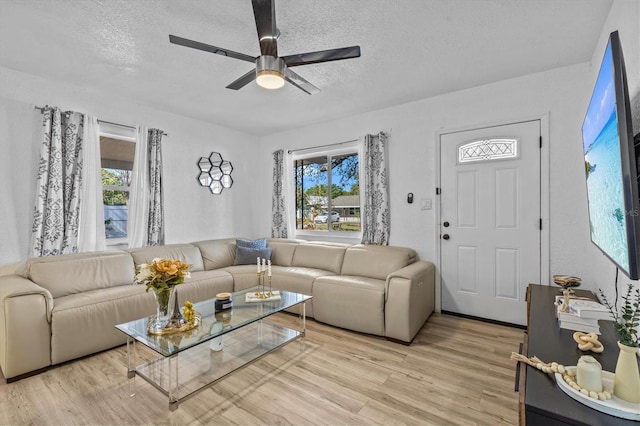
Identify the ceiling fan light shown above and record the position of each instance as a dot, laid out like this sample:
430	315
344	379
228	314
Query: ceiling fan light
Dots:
270	72
270	79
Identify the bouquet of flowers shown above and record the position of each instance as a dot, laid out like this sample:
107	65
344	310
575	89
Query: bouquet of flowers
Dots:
162	274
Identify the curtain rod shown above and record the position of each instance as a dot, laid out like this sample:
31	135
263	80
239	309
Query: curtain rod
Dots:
116	124
41	109
293	151
123	125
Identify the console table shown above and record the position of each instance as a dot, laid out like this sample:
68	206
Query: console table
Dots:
542	402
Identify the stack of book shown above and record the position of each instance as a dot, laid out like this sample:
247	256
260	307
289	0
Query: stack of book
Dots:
589	309
583	315
571	321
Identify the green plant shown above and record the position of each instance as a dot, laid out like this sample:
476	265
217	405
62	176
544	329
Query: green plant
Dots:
626	322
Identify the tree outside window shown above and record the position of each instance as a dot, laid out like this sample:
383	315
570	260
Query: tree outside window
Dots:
117	164
115	196
317	207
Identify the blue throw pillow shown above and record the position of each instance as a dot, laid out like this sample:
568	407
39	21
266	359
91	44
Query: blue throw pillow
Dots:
260	243
248	256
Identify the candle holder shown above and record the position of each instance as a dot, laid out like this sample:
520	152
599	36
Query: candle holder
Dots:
263	268
261	290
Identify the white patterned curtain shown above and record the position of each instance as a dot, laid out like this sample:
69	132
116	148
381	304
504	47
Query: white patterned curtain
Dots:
375	217
145	223
279	214
92	234
59	182
155	227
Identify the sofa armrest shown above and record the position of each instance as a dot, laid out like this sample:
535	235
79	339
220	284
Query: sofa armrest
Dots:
17	286
25	332
410	300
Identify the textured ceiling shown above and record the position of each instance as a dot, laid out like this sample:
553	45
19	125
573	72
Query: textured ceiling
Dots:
411	49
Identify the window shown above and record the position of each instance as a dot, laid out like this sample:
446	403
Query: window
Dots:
117	153
488	149
318	209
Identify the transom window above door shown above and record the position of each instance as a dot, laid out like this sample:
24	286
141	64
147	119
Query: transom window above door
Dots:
488	149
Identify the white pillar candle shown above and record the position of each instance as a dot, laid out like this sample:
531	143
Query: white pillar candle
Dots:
264	264
269	267
589	373
258	265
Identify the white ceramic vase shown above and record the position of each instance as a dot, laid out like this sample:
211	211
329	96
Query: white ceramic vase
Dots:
626	383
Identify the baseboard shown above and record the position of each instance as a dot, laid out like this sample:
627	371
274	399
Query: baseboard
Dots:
490	321
25	375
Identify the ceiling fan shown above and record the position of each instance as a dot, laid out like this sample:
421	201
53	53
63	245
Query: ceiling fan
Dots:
271	71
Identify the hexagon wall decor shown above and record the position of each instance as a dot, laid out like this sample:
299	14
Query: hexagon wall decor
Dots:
215	173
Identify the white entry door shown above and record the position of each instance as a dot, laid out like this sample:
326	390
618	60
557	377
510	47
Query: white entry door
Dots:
490	220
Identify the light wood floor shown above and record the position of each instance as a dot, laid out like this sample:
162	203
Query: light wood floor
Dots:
457	371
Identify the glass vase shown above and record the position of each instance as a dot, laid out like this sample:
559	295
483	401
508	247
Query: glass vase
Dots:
626	382
164	303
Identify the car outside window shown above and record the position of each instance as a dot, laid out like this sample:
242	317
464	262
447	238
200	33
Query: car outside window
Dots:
327	182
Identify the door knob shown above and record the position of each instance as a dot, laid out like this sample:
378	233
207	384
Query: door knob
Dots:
446	224
445	237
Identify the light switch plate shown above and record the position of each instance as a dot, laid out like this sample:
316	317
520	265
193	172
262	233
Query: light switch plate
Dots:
425	204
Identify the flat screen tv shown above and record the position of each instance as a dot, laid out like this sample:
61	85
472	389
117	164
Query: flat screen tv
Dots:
611	164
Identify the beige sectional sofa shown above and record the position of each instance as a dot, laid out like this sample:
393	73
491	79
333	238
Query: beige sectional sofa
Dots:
59	308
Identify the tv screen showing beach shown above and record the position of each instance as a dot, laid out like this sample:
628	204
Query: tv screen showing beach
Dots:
604	169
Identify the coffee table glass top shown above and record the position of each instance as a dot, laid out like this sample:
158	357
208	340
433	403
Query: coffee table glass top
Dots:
214	324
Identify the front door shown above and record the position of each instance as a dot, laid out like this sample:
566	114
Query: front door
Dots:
490	220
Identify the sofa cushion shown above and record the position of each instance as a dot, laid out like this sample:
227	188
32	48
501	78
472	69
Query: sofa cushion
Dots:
260	243
249	256
84	323
376	261
74	273
184	252
298	280
288	278
205	285
283	250
244	276
217	253
354	303
319	256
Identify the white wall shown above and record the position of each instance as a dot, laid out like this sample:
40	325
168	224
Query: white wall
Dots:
562	93
19	152
412	153
624	17
192	212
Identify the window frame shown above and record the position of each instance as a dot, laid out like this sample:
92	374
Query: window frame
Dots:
124	133
514	143
351	147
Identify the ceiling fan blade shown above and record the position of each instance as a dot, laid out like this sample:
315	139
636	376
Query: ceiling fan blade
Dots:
243	81
300	82
264	12
322	56
209	48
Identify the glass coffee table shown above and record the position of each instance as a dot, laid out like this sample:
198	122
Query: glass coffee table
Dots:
225	341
